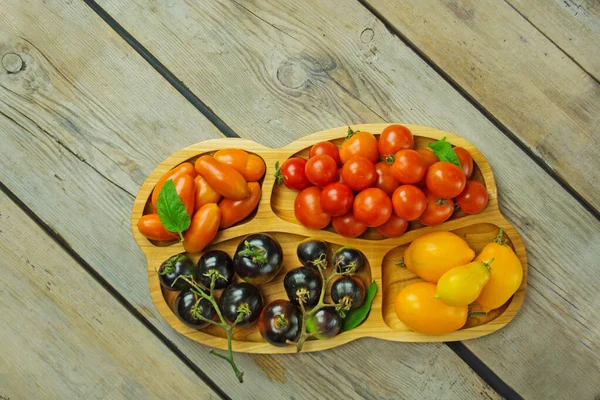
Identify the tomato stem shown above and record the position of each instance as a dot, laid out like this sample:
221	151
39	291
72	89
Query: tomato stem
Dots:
350	133
278	175
321	266
488	264
200	291
254	252
500	238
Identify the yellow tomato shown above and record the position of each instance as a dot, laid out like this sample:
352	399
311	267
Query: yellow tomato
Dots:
417	308
460	286
431	255
506	274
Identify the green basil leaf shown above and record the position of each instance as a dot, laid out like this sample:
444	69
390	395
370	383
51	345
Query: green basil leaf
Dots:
171	211
357	316
444	151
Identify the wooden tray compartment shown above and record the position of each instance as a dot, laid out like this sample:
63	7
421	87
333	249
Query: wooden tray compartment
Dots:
275	216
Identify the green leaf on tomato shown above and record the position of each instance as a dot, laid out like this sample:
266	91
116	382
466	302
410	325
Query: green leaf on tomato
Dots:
357	316
171	211
444	151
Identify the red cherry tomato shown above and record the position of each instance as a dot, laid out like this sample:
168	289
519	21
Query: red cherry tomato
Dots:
395	138
336	199
321	170
347	225
408	167
340	177
291	173
359	173
385	179
474	198
428	156
466	161
327	148
308	211
362	144
372	207
437	211
409	202
394	227
445	180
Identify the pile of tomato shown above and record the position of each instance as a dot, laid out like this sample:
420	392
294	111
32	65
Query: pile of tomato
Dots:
454	279
382	183
217	192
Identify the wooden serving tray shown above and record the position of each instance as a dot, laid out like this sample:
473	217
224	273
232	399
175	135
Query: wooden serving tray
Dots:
275	215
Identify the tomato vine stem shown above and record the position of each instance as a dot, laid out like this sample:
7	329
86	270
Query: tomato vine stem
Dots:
201	292
306	315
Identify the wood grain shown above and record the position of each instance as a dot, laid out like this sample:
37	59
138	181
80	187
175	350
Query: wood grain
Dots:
382	254
574	25
519	76
64	336
287	69
516	74
83	90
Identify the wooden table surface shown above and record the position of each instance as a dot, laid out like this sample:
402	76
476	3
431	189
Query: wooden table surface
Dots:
94	94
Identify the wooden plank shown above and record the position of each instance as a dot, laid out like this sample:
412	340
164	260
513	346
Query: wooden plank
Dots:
64	336
88	91
516	74
287	69
574	25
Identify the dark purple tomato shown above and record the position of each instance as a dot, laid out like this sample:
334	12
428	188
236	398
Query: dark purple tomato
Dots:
188	305
303	282
219	262
258	258
313	252
348	291
279	322
174	267
347	258
241	298
326	323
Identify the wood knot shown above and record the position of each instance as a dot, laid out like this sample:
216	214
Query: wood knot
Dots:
13	63
292	75
367	35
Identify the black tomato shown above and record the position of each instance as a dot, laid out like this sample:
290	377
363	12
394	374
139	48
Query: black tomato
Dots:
348	259
187	309
348	291
174	267
313	253
326	323
241	298
218	261
305	282
258	258
280	321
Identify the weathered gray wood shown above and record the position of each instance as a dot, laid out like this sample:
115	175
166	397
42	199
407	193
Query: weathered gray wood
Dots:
289	68
574	25
65	337
517	74
83	125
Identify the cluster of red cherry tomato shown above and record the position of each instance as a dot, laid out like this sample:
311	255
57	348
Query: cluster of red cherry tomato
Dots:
382	183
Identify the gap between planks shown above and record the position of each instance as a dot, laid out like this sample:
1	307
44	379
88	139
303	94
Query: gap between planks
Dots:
111	290
569	56
484	111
